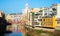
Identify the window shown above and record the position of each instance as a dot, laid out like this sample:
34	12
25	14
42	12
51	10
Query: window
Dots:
49	19
35	20
39	19
36	23
54	9
58	22
35	16
46	20
43	19
40	16
40	11
54	12
45	14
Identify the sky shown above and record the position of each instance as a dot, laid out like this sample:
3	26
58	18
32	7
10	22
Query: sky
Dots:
16	6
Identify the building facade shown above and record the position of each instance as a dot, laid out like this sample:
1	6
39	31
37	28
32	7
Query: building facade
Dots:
35	16
49	22
56	10
14	18
16	21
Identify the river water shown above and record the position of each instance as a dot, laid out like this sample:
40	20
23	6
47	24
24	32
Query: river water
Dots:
17	31
14	34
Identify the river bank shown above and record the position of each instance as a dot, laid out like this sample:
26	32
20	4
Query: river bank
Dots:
35	32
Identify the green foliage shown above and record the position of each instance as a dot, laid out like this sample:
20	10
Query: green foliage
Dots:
39	32
29	34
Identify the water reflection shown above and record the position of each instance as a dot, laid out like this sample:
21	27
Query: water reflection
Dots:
14	34
17	30
19	27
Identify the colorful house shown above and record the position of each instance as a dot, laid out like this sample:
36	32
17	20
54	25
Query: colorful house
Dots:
49	22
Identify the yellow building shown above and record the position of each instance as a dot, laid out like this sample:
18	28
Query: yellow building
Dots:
49	22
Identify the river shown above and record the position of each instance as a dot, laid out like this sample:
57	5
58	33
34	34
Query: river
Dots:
17	30
14	34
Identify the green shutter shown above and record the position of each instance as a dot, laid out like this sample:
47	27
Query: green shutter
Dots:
32	13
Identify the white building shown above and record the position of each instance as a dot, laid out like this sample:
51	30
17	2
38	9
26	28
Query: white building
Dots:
56	10
38	16
26	12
